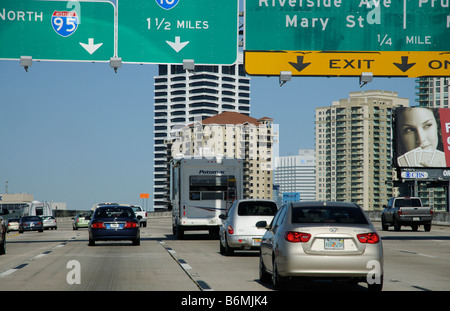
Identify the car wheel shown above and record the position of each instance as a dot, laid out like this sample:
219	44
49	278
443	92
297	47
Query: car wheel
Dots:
179	232
427	227
397	225
264	276
91	242
221	247
277	280
137	242
3	246
229	251
384	226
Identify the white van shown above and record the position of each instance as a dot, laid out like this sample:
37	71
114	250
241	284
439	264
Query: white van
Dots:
238	230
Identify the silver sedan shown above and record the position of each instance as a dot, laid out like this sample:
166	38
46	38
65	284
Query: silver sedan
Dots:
331	240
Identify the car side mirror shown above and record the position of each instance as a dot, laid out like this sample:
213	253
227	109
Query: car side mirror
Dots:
222	216
87	217
262	224
4	212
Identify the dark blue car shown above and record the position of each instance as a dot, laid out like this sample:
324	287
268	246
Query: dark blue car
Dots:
31	223
114	222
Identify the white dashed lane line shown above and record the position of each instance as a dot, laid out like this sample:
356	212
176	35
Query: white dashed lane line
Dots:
187	268
23	265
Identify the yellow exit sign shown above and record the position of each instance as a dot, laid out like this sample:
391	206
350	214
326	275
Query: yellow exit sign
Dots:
336	64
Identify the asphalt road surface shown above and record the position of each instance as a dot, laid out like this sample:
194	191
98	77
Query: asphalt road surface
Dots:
61	260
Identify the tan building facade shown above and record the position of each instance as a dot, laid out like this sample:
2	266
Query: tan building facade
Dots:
353	148
233	135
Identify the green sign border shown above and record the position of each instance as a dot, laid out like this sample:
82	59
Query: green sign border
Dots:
349	27
32	34
144	27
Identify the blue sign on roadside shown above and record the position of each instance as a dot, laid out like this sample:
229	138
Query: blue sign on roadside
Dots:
291	197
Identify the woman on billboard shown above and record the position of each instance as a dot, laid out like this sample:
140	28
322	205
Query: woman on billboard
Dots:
419	142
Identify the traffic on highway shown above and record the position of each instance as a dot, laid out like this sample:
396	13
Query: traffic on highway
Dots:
62	260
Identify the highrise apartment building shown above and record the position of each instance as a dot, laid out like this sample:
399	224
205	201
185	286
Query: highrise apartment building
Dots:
353	148
297	174
182	96
433	92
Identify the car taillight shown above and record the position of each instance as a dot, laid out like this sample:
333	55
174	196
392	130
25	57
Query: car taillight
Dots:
371	238
230	229
131	224
98	225
297	237
400	211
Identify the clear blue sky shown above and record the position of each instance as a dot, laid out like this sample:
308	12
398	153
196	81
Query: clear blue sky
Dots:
81	134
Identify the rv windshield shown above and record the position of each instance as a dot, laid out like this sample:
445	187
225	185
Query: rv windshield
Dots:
203	187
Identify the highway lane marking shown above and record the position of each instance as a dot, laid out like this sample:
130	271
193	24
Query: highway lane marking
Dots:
415	253
11	271
185	266
43	254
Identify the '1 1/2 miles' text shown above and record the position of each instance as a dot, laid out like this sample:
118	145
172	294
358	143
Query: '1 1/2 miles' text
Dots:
161	23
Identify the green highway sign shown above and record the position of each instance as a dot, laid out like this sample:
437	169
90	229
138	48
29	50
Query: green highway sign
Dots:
347	25
170	31
57	30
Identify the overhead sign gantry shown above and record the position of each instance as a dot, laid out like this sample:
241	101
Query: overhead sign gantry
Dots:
138	31
346	38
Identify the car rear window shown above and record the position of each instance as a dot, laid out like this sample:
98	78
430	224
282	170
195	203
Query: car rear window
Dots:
31	218
328	214
114	212
257	209
408	203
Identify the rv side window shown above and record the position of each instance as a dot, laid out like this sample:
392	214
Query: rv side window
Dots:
194	195
209	187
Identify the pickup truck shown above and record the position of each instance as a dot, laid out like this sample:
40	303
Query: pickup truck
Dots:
3	227
140	214
406	211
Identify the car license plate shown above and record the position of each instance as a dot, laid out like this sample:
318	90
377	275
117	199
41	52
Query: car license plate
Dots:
256	242
416	218
334	244
114	226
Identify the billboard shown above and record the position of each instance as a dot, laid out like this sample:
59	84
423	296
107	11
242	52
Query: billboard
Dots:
422	137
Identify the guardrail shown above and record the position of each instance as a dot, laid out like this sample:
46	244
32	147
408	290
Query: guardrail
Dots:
439	218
